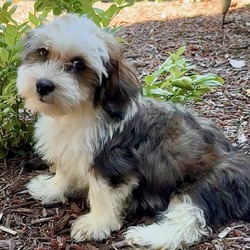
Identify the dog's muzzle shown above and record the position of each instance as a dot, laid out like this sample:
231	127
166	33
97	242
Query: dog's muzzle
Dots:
44	87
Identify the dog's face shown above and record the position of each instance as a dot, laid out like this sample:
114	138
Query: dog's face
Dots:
69	62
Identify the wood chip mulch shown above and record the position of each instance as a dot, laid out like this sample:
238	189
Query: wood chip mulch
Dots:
151	31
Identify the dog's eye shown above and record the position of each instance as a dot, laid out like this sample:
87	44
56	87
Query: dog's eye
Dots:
78	64
43	52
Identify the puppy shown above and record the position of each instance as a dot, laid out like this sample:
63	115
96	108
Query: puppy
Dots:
131	154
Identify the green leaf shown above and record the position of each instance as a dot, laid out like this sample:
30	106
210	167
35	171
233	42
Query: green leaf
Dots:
183	83
4	54
9	88
7	125
15	140
99	11
23	26
41	5
158	72
7	110
11	30
212	83
13	10
4	17
202	78
10	40
202	91
3	153
33	19
149	79
15	58
7	4
38	5
113	30
57	11
165	83
159	91
108	14
113	9
119	2
180	51
220	80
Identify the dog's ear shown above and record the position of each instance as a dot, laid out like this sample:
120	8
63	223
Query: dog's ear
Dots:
27	43
118	89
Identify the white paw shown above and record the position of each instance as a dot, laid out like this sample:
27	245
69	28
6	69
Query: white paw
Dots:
136	236
44	188
147	237
155	236
91	227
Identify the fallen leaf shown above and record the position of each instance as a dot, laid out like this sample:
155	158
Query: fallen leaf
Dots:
241	137
237	63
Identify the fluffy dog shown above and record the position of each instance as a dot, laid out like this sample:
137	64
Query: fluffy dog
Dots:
130	153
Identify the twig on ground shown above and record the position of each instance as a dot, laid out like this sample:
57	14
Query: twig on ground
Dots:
1	216
245	240
119	244
8	230
5	187
42	220
24	204
234	238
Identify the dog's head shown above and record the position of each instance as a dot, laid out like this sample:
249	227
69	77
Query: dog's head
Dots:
69	63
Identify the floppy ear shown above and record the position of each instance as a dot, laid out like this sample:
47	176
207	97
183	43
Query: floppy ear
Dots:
117	90
27	40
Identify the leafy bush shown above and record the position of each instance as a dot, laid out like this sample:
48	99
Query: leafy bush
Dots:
83	7
173	81
14	130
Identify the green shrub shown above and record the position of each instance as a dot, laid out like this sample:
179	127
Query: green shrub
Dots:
83	7
170	81
14	130
173	81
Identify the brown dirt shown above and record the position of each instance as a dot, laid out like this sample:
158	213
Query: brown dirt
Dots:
151	31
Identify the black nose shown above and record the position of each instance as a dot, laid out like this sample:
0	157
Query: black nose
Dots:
44	87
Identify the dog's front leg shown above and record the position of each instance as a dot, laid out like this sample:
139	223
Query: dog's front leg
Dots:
50	189
106	207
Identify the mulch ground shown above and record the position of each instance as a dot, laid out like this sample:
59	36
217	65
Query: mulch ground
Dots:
151	31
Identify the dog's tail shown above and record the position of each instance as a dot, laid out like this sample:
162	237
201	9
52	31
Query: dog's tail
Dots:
225	193
214	200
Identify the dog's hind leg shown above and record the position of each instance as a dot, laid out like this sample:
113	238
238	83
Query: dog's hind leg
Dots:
214	200
182	224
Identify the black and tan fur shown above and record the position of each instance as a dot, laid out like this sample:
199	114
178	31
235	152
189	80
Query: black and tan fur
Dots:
131	153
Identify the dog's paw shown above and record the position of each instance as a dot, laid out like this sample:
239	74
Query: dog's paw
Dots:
145	237
136	236
43	188
91	227
154	237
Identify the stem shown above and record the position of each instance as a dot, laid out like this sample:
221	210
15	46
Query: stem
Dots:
223	21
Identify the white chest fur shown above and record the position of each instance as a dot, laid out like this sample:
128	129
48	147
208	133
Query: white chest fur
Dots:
69	142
